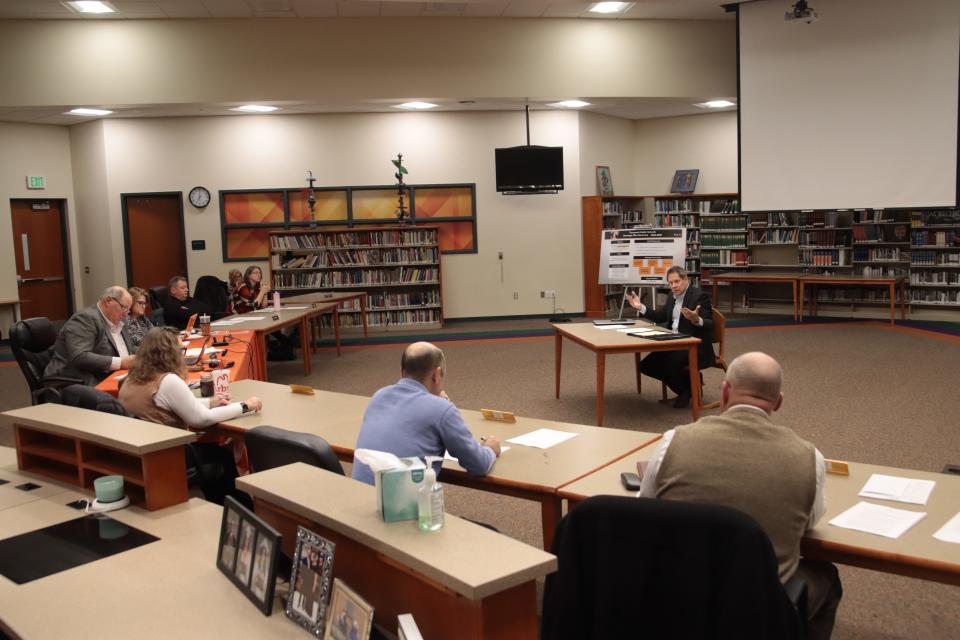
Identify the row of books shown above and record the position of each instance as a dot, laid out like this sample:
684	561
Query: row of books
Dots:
946	216
882	272
773	236
918	257
675	220
724	222
691	265
934	296
881	233
360	277
945	238
853	295
826	238
387	318
823	257
771	219
824	219
714	257
724	241
693	250
343	239
878	215
681	205
935	277
862	254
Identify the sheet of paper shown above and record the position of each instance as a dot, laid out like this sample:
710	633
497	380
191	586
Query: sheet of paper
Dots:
877	519
543	438
286	308
608	327
194	352
447	456
912	491
950	532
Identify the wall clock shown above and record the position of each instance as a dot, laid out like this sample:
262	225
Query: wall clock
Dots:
199	197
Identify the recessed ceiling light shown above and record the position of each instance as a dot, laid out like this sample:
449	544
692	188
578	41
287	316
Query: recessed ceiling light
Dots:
255	108
611	7
89	6
569	104
83	111
415	105
716	104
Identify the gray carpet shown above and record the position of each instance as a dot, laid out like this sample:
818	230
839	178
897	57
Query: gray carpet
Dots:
860	392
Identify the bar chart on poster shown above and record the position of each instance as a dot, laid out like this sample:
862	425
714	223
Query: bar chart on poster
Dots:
641	256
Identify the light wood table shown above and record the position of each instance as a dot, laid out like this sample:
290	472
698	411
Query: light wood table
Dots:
339	298
610	342
522	472
11	496
461	581
892	283
76	445
916	553
733	277
606	480
170	588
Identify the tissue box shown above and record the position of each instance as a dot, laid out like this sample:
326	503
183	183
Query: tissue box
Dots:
397	490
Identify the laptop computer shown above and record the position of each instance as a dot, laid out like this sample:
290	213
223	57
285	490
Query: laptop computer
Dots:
192	321
190	360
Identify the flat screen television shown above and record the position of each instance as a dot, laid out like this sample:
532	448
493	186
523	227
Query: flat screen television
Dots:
529	169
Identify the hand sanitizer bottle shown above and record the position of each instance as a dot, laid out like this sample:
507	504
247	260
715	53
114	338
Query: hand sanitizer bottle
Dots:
430	499
276	302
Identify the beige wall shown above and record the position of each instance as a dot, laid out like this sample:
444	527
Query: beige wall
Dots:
31	150
706	142
96	230
136	62
537	234
609	142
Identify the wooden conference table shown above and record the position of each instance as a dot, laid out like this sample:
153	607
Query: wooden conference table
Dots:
340	299
523	472
733	277
916	553
611	341
461	581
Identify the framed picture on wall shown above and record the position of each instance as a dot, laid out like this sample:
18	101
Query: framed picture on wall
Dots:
604	182
684	180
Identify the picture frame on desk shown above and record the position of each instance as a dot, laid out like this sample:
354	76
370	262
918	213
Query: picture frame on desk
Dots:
310	580
604	182
685	181
350	617
247	554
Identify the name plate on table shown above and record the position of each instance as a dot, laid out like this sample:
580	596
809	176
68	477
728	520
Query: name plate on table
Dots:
499	416
302	389
838	467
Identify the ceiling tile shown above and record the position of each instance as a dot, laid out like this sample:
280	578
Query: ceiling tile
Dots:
315	8
183	9
485	9
228	8
357	8
525	9
401	9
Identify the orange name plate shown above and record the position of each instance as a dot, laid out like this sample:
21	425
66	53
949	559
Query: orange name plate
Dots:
302	389
838	467
499	416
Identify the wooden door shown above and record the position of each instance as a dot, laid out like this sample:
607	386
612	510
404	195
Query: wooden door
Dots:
39	244
153	238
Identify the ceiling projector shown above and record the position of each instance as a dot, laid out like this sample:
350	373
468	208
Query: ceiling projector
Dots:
801	12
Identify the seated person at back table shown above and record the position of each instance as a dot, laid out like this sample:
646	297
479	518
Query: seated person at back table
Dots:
687	311
251	294
741	459
414	417
137	322
94	341
179	306
156	391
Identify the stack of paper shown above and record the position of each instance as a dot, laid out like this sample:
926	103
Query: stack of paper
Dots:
542	438
877	519
950	532
907	490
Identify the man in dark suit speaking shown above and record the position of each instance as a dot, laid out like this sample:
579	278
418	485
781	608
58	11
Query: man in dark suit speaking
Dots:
687	311
94	341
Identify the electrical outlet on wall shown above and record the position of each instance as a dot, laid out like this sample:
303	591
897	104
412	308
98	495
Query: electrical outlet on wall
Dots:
516	295
548	293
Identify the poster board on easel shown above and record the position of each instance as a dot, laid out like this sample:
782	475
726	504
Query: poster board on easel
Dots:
641	256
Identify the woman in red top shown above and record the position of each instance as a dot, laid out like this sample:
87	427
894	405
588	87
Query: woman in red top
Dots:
250	295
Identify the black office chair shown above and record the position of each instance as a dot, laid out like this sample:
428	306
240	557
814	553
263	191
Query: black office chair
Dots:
665	569
212	291
32	341
80	395
270	447
158	296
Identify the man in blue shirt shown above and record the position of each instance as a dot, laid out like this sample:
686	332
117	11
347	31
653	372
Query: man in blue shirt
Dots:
414	417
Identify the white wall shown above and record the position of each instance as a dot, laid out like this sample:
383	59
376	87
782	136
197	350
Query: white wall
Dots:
537	234
706	142
609	142
31	150
97	228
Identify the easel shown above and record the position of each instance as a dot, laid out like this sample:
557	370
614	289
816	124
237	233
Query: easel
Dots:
623	298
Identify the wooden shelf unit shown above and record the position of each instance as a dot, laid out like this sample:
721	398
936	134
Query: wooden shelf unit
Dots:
688	210
599	213
398	266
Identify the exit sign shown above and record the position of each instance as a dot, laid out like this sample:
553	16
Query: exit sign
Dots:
35	182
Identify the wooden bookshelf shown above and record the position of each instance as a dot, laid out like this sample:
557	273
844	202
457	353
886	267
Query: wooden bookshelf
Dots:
935	258
398	266
599	213
688	210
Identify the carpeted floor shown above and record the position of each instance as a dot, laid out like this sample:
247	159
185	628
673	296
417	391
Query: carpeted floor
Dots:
860	391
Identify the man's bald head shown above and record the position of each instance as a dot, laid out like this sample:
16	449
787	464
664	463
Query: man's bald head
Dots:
756	379
420	360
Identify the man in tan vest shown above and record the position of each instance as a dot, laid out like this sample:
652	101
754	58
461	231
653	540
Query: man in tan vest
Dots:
741	459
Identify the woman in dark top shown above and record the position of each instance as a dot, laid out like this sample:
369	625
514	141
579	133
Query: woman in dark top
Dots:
137	322
250	295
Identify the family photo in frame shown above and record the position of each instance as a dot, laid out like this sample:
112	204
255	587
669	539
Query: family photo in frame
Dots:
310	581
351	617
248	552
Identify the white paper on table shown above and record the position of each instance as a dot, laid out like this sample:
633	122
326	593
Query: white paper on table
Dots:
543	438
608	327
877	519
447	456
286	308
949	532
908	490
193	353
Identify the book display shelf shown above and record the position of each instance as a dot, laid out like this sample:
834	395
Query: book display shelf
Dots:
397	266
935	258
716	233
599	213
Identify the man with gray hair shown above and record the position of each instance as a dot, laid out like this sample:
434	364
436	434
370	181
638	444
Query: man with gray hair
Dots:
94	341
741	459
414	417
